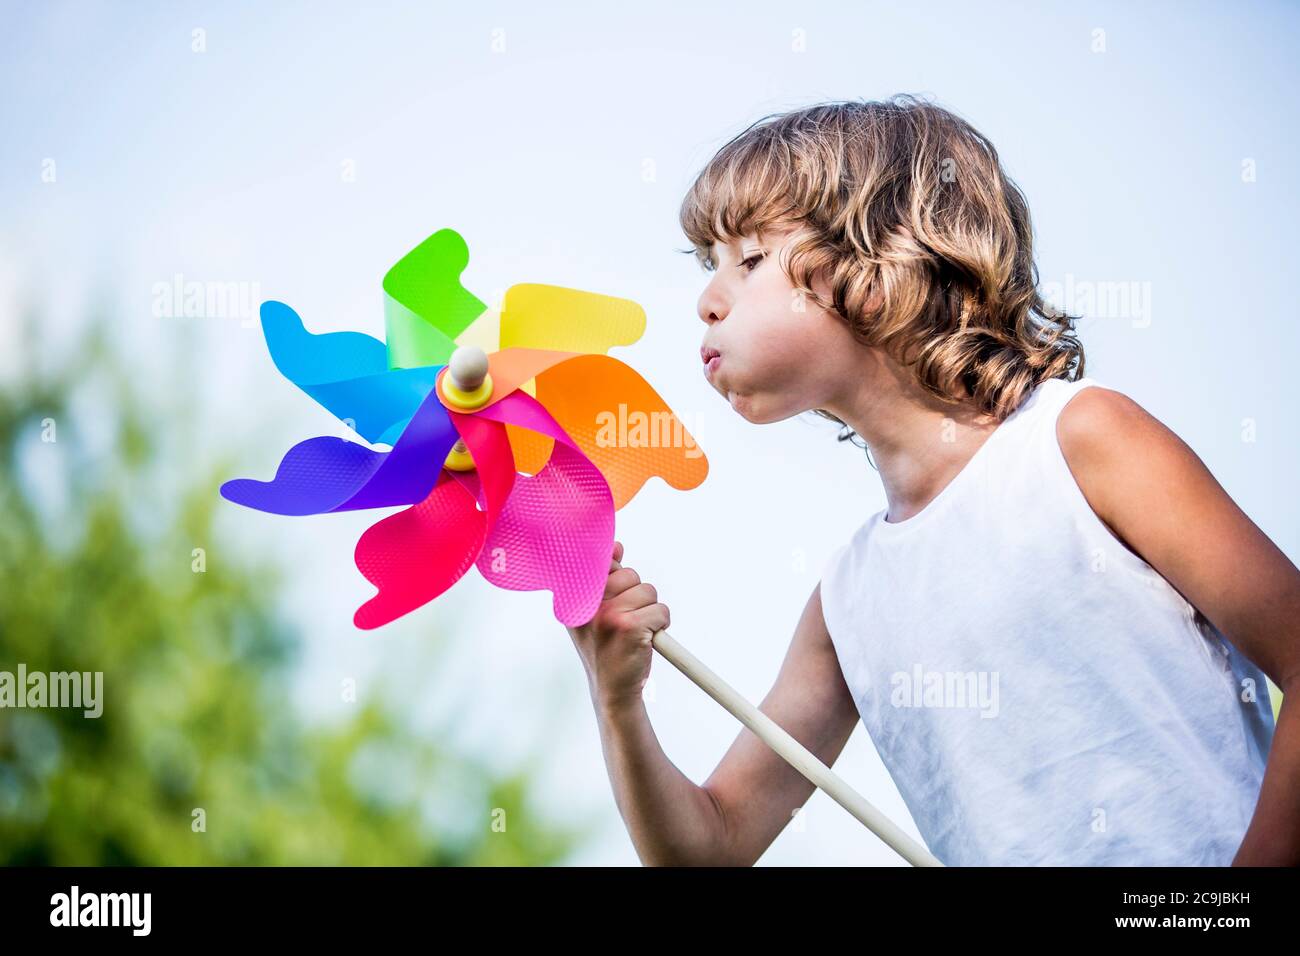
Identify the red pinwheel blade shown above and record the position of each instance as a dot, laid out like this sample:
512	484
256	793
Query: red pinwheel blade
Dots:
417	554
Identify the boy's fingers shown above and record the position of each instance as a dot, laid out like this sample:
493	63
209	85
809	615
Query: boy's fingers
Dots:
620	580
638	596
618	554
653	617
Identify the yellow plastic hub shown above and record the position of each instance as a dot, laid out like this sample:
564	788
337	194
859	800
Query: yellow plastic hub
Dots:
467	400
459	460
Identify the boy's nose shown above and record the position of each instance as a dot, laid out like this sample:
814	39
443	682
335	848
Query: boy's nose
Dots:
711	308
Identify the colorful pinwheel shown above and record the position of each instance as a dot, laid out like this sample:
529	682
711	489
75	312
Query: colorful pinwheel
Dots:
513	461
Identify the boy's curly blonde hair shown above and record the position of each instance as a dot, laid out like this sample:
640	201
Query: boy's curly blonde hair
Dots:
925	242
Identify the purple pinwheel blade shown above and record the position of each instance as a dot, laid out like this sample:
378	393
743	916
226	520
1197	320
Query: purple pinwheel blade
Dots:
322	475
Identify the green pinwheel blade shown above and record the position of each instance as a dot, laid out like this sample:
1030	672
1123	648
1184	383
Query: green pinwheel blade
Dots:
425	306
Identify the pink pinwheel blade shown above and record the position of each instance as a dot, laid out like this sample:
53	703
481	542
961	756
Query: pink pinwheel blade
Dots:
556	531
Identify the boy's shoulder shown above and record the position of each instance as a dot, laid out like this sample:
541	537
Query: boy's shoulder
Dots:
1097	421
1121	456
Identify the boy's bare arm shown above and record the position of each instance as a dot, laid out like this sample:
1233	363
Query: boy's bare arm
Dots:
749	798
1163	503
757	791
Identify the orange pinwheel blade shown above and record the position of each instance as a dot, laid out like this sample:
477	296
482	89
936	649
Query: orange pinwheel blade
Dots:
621	424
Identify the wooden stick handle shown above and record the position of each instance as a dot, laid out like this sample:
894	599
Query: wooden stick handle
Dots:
792	752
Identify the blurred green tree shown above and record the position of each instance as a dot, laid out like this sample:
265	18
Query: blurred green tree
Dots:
196	669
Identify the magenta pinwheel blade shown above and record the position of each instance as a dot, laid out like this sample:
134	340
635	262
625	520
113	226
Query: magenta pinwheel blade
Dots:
556	531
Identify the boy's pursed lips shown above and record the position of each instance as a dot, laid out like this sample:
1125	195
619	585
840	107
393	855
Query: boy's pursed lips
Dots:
711	357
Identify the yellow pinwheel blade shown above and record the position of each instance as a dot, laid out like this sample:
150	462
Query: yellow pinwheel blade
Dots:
552	317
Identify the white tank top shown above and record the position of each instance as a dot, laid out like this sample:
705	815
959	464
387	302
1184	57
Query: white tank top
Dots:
1040	694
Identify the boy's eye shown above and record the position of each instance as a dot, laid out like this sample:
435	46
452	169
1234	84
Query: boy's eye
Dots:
756	258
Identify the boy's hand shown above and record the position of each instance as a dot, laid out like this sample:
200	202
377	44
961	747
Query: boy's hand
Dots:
615	644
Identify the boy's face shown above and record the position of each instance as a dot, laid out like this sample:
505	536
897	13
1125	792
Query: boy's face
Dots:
778	353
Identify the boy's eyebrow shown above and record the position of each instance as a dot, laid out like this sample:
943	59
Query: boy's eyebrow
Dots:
758	236
715	245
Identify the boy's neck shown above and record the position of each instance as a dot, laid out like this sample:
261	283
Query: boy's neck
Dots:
918	442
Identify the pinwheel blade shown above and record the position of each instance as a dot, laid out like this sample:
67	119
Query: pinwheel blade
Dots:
425	306
417	554
537	316
556	531
330	474
346	372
